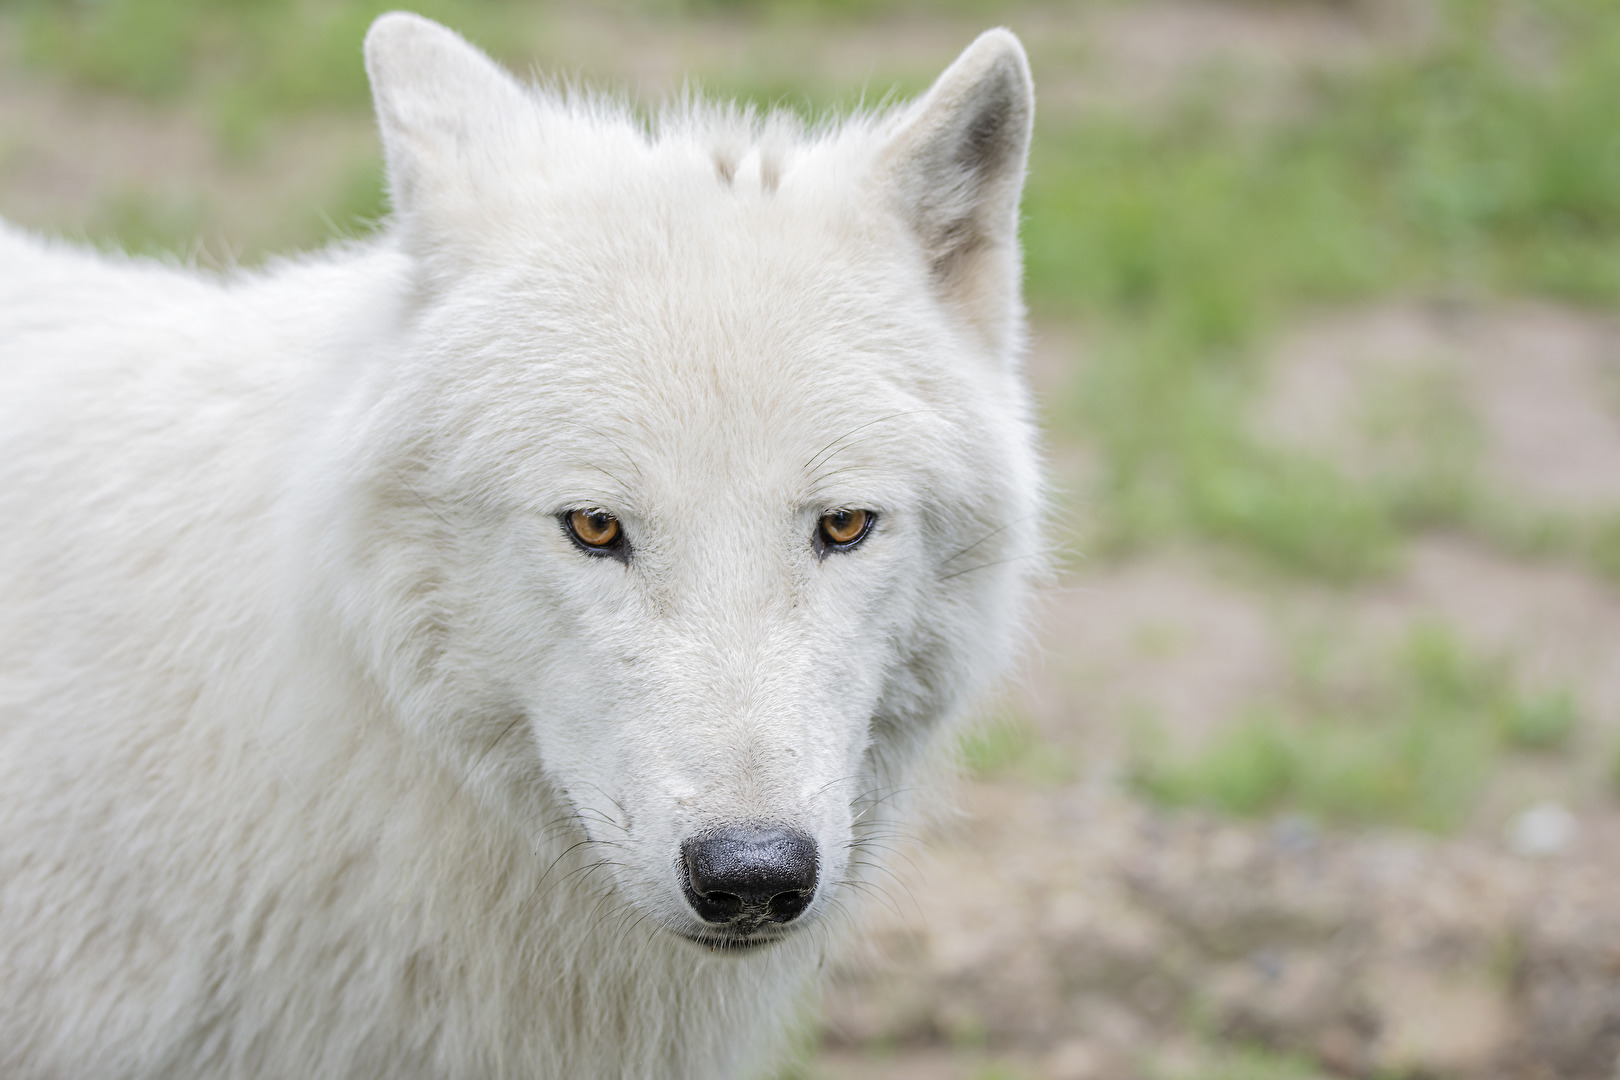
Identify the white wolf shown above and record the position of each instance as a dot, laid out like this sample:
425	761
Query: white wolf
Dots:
493	649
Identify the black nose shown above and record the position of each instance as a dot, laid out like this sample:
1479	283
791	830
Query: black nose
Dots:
749	875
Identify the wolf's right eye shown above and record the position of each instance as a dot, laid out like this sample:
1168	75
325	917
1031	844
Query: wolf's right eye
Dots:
597	531
841	530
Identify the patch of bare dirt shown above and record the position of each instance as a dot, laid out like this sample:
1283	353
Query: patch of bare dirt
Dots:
1558	625
1081	930
73	160
63	151
1146	54
1083	54
1541	382
1175	639
1165	641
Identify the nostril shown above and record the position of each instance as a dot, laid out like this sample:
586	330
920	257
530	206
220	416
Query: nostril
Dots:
720	907
749	874
785	907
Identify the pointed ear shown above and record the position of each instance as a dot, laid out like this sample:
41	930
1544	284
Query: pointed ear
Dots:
444	109
954	169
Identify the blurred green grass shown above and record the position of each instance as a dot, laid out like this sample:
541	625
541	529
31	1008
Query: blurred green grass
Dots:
1243	1063
1182	239
274	56
279	55
1009	747
1408	738
1179	236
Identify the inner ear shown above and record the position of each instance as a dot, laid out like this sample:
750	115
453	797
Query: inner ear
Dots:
956	209
954	170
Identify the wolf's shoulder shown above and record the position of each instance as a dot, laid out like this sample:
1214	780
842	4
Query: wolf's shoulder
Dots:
50	286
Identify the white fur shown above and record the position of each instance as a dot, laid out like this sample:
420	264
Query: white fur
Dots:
324	752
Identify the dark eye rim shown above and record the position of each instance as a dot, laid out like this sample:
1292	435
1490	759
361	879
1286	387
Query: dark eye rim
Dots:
617	548
826	545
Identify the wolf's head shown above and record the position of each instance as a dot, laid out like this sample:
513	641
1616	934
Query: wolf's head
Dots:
697	487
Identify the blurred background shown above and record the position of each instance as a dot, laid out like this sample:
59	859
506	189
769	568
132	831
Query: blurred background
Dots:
1316	769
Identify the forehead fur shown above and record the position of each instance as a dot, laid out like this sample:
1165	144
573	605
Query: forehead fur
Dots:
718	268
705	186
614	349
746	149
706	282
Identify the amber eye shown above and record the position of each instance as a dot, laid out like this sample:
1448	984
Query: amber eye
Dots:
593	528
843	529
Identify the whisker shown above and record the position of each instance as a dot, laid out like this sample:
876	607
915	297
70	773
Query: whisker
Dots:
994	562
1000	529
822	453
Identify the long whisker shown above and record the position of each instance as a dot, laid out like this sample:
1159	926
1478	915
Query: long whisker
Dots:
825	450
993	532
995	562
429	507
560	856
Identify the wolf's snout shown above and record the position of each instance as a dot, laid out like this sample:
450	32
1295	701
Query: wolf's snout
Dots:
749	875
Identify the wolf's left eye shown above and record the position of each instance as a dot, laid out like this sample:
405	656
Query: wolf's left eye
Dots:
597	531
841	530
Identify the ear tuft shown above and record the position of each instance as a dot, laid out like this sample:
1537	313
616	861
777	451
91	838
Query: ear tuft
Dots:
954	170
440	104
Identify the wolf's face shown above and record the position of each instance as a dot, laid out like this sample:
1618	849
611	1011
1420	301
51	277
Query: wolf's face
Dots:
709	491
